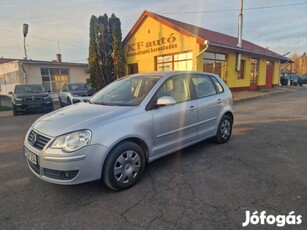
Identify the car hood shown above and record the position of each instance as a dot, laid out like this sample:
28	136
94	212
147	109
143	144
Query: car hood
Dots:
80	116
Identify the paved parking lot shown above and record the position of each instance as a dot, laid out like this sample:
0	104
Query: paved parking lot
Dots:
206	186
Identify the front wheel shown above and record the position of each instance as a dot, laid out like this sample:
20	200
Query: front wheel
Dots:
69	101
124	166
61	103
14	111
224	130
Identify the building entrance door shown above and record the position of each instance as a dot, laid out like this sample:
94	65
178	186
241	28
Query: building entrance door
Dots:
133	68
269	74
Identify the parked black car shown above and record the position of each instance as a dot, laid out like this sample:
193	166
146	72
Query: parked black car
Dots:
292	78
302	80
31	98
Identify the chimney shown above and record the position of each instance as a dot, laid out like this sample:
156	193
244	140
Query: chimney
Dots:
58	58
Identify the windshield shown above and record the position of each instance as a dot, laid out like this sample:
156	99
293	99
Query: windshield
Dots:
79	87
129	91
25	89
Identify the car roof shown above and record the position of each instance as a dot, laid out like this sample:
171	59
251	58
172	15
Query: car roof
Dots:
170	73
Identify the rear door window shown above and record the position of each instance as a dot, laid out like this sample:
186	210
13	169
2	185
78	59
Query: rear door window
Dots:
204	87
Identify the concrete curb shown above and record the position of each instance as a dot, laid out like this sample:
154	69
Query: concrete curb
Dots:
270	92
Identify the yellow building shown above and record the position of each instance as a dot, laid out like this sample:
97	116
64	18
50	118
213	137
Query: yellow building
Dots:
158	43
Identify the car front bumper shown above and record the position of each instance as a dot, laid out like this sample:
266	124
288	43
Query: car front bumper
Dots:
75	100
59	167
32	107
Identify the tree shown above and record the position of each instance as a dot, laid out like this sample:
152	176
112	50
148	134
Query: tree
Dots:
93	58
117	47
295	66
104	49
106	54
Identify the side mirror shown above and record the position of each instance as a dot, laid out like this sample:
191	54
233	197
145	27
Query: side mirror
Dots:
86	100
11	93
165	101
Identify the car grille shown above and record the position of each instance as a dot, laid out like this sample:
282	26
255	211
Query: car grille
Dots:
33	98
60	175
37	140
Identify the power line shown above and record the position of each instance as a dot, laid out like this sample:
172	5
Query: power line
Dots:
232	10
44	39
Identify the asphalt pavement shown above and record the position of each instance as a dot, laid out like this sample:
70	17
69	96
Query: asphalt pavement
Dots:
206	186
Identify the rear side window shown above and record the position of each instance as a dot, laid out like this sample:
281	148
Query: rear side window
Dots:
203	86
217	84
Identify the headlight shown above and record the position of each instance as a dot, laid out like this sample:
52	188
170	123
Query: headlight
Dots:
75	94
46	97
18	99
72	141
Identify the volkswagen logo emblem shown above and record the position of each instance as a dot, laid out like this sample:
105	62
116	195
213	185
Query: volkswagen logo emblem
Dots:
32	138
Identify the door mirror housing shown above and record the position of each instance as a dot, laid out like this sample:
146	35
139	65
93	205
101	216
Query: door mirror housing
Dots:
11	93
165	101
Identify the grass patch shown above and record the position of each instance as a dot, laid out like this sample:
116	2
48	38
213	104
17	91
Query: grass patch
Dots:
5	108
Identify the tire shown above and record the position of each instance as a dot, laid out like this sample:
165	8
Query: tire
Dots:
123	166
14	111
68	101
61	103
224	130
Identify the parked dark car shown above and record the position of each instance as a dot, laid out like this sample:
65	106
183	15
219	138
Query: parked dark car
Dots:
292	78
72	93
303	80
31	98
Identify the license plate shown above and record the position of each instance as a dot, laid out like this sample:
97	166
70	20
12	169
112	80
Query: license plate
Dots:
30	156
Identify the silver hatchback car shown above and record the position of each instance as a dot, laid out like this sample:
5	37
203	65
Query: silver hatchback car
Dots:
132	121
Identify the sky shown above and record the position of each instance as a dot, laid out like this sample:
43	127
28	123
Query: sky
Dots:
63	25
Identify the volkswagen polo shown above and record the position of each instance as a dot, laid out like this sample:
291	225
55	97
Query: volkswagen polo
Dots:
132	121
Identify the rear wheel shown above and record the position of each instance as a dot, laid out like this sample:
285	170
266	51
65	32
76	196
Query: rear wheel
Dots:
124	166
224	130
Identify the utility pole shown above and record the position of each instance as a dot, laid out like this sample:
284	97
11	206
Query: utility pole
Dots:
240	28
25	29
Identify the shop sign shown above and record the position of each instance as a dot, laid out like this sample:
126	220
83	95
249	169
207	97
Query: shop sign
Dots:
141	47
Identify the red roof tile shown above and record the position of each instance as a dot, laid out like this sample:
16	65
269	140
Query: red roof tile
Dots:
215	38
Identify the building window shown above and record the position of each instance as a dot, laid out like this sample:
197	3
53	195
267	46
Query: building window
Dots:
254	70
242	70
53	79
216	63
179	61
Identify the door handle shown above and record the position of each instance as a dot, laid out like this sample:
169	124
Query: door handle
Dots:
219	101
192	108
